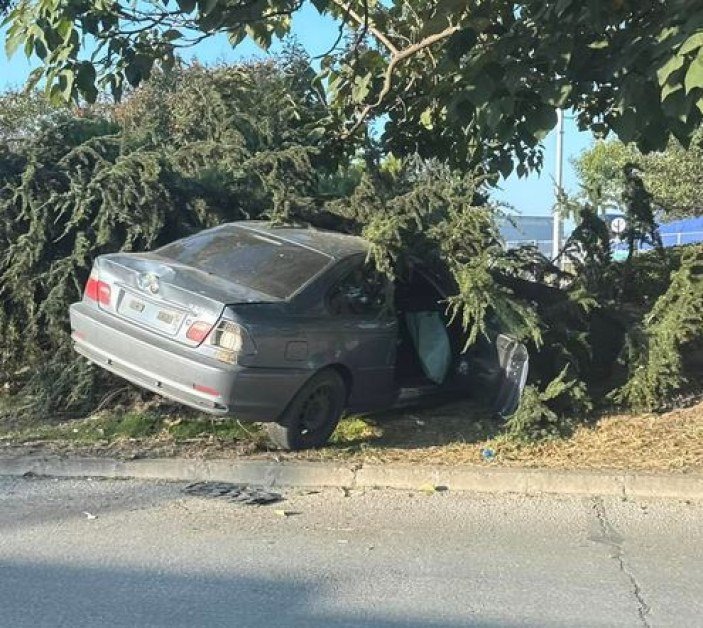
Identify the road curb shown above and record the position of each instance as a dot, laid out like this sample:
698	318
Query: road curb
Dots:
397	476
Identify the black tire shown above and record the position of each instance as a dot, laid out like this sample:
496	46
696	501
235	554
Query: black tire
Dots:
313	414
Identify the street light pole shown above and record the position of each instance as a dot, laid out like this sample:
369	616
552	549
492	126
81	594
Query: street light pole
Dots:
558	183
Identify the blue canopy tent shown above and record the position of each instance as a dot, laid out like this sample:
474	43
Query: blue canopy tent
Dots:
684	231
674	233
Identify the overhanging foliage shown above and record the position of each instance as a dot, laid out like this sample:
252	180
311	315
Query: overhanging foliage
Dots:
468	82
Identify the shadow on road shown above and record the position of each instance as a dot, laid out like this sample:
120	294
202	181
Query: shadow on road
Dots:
62	595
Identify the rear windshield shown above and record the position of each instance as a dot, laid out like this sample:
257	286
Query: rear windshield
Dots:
253	260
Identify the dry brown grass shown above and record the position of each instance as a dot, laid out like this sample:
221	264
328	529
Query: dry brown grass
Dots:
672	442
451	434
457	435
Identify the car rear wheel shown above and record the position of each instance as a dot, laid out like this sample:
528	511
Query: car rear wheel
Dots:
313	414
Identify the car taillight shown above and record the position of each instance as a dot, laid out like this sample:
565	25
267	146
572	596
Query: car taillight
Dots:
198	331
97	290
230	340
229	336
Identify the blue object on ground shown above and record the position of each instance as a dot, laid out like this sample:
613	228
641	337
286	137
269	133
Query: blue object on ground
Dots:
488	454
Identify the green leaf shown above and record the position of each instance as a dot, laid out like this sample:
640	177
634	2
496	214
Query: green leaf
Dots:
133	74
670	88
316	134
171	34
64	30
625	126
168	61
206	6
694	42
28	46
62	90
599	45
11	45
361	87
694	74
505	166
15	35
259	34
426	119
85	80
677	106
506	105
460	43
187	6
673	64
39	49
435	24
492	116
541	122
236	36
321	5
481	88
557	95
654	136
504	130
116	86
34	77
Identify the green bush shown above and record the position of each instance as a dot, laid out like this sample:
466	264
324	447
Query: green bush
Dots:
184	152
654	348
550	412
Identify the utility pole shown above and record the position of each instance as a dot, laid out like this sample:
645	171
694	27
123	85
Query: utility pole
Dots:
558	183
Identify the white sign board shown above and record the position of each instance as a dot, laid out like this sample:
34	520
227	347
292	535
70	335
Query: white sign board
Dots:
618	225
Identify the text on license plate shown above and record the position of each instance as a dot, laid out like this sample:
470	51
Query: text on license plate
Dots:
152	315
166	317
137	305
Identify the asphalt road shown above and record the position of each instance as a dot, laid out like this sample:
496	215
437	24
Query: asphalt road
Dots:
153	556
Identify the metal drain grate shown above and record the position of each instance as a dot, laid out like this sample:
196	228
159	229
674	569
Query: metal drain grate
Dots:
236	493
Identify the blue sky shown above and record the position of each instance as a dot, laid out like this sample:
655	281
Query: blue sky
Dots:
532	195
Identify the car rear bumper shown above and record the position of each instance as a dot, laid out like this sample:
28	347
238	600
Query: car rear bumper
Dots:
179	373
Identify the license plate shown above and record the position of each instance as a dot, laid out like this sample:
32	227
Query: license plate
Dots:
150	314
136	305
166	317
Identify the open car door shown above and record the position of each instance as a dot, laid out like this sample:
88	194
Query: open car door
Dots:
497	369
431	356
514	363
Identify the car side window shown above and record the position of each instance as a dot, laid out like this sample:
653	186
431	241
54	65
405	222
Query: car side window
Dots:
362	292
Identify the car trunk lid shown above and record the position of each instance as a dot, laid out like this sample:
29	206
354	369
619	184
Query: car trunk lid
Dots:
168	297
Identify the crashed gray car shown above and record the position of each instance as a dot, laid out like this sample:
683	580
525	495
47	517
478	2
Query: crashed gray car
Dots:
289	326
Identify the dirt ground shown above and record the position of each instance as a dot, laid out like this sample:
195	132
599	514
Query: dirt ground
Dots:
459	433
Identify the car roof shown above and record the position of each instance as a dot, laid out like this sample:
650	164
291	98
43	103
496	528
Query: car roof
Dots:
331	243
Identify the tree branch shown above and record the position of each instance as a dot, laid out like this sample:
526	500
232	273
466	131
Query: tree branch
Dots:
366	22
398	57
